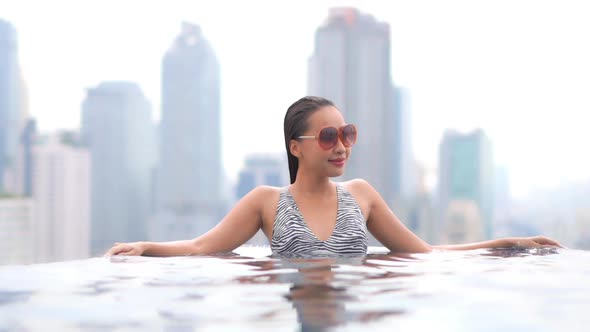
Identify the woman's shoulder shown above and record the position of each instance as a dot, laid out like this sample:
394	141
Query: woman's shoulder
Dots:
359	188
357	185
362	192
266	199
261	197
266	192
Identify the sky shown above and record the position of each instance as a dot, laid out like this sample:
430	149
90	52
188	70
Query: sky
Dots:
518	69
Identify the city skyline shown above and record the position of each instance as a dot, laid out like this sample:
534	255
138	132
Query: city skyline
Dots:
507	78
160	166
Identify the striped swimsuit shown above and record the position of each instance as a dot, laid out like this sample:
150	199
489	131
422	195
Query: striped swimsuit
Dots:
292	236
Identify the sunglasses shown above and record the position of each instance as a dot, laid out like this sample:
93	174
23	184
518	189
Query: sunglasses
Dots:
328	136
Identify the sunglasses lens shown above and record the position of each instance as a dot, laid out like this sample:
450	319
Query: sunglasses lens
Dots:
328	137
348	135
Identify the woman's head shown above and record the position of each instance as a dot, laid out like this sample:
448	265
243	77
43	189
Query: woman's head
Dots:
305	119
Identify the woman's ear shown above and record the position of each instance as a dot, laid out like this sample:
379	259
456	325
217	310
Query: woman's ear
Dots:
295	148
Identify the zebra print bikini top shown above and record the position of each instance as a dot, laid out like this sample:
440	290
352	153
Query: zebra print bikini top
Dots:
292	236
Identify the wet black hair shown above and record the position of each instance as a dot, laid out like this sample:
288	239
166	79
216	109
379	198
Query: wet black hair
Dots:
296	124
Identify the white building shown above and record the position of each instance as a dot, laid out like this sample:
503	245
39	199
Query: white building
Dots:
61	191
16	230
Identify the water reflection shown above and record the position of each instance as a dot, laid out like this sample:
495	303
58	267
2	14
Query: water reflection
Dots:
10	297
320	292
321	289
520	252
543	289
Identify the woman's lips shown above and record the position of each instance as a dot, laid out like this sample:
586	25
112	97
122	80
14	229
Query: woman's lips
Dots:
337	162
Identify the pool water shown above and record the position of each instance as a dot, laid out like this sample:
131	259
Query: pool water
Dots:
543	289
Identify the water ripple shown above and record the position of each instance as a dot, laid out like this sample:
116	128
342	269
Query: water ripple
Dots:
543	289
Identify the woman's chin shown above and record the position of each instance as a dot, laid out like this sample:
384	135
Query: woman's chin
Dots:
336	173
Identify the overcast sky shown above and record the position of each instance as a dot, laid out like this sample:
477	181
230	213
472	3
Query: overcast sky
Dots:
518	69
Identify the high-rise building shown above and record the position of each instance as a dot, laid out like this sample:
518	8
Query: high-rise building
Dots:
582	229
502	196
28	137
262	170
407	178
17	178
61	192
117	127
16	230
351	66
466	174
10	105
190	196
463	222
420	214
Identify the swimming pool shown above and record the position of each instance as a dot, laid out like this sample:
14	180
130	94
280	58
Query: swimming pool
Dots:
482	290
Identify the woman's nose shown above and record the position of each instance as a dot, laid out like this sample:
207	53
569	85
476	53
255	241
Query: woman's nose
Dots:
339	147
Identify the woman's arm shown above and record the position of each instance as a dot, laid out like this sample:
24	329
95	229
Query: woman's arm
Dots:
385	226
238	226
394	235
511	242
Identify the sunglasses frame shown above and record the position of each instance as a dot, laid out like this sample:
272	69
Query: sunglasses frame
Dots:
339	137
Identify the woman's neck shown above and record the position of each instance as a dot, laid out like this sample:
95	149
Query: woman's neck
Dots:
312	185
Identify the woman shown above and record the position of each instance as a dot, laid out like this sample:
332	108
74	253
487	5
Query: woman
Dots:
313	216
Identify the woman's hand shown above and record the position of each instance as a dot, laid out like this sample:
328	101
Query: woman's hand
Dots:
531	242
126	249
509	242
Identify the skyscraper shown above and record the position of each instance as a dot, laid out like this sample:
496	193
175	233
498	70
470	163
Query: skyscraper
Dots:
61	192
466	175
117	127
351	66
10	99
190	175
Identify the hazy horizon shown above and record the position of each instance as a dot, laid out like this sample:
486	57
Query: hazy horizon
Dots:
518	70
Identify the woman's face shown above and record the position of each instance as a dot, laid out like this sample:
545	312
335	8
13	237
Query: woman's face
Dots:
329	162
